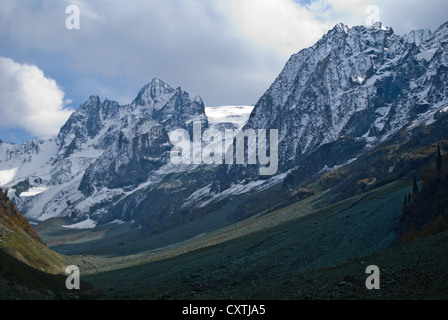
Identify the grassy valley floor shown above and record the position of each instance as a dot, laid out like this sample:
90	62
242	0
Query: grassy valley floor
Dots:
312	256
409	271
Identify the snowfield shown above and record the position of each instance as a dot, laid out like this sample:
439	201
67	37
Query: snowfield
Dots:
54	177
234	114
87	224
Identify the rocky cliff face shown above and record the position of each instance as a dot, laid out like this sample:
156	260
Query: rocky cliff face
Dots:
103	151
362	83
354	89
137	143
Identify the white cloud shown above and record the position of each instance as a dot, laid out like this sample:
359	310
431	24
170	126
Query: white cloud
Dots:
227	51
86	10
29	100
282	25
402	15
287	26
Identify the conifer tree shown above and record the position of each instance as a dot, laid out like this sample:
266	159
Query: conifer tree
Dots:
405	203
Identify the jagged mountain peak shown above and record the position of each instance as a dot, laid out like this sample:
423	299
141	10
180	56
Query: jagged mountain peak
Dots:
100	121
93	99
352	90
156	89
339	27
351	54
442	28
362	82
418	36
158	82
103	145
378	25
343	29
440	36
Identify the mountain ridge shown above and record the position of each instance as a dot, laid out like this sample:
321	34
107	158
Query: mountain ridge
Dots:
360	82
355	88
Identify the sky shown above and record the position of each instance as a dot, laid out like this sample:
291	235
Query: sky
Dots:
226	51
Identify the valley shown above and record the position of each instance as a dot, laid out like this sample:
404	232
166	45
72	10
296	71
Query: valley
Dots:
359	141
292	253
297	237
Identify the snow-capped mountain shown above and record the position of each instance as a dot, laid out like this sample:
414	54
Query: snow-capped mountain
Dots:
360	84
352	90
228	117
103	150
418	36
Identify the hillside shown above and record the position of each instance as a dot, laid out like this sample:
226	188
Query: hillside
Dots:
317	244
362	122
425	211
19	240
28	268
291	253
353	90
411	271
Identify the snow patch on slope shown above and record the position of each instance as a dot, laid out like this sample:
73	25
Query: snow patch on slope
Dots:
33	192
6	176
87	224
237	115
